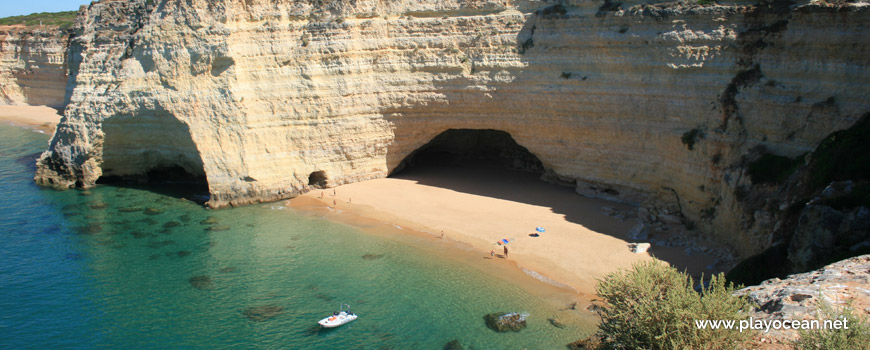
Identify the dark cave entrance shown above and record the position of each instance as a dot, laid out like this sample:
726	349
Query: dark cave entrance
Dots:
317	179
153	152
479	147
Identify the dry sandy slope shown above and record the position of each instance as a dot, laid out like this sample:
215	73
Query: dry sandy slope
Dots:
480	205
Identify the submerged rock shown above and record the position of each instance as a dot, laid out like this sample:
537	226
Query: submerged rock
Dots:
505	322
211	220
228	269
556	323
99	205
172	224
218	228
139	234
372	256
453	345
263	312
160	244
153	211
90	229
183	253
129	210
201	282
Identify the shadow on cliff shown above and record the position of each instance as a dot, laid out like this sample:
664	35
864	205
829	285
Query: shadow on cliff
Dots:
517	105
490	169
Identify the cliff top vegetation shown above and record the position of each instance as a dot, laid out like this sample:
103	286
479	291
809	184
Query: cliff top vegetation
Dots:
63	19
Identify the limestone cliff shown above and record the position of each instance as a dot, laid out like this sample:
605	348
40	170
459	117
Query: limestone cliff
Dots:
649	103
32	66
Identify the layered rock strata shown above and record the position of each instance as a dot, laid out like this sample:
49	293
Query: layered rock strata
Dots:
655	104
32	66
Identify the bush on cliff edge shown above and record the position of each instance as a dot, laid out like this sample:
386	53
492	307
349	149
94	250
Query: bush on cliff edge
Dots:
654	306
855	337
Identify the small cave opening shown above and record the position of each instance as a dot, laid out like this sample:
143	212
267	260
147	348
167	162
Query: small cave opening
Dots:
480	147
317	179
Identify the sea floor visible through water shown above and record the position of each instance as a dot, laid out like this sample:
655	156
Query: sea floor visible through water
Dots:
134	268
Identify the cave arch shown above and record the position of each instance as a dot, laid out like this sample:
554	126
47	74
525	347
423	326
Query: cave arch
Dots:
318	179
154	149
473	145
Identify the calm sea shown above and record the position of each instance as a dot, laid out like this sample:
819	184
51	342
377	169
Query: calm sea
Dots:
116	267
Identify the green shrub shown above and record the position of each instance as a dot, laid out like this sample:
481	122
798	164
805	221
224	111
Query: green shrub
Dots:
856	337
653	306
63	19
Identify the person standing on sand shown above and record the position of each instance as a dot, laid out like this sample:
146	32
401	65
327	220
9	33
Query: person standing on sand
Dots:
333	192
492	252
505	252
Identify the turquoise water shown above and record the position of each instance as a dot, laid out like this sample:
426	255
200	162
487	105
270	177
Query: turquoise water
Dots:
121	267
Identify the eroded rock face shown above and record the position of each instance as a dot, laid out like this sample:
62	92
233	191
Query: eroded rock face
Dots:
32	66
651	104
797	297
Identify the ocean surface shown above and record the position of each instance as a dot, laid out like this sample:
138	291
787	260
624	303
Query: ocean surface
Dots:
116	267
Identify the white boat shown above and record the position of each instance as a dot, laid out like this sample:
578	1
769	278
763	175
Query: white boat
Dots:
339	317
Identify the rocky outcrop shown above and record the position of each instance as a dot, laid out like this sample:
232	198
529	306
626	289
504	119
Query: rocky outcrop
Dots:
505	322
648	103
797	297
32	66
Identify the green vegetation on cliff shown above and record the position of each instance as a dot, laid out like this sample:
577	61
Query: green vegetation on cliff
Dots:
654	306
855	337
63	19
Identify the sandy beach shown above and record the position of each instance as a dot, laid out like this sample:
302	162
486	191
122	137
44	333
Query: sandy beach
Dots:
41	118
480	205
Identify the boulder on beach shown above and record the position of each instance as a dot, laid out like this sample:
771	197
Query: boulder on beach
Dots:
505	322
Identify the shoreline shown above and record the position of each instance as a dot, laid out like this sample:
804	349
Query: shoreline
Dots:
43	119
580	245
559	295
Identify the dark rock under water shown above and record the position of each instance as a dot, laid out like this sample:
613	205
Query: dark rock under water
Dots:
505	322
201	282
263	312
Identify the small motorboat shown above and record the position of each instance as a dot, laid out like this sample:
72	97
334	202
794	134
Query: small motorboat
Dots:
339	317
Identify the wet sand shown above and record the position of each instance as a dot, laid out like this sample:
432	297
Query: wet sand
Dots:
478	205
40	118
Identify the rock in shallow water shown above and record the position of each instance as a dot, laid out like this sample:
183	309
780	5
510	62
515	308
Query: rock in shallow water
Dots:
218	228
372	256
201	282
263	312
153	211
505	322
453	345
